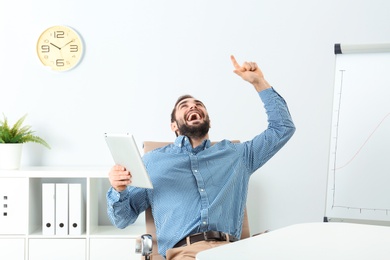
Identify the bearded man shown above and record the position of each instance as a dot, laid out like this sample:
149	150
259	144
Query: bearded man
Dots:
200	191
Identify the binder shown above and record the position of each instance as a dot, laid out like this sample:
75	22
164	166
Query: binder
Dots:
62	201
76	209
48	208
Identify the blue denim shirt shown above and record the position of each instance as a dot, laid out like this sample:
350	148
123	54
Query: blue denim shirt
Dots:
202	188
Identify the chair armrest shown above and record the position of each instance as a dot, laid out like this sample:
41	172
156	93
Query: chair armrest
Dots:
144	245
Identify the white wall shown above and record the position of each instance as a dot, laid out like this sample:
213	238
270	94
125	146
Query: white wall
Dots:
141	55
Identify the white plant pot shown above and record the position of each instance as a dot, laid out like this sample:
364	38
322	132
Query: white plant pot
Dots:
10	155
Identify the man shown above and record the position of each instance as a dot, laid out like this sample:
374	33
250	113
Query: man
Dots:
200	190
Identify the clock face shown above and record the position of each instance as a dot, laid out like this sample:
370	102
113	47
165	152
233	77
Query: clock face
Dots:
60	48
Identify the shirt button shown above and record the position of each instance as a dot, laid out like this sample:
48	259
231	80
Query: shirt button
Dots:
204	222
202	190
195	170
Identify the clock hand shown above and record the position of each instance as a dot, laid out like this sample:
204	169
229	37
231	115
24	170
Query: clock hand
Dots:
55	46
68	43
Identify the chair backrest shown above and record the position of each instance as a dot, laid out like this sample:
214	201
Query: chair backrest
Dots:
150	226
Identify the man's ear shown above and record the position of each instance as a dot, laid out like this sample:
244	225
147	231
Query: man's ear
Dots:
174	127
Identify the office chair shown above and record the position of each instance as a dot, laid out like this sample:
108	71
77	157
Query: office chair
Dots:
146	245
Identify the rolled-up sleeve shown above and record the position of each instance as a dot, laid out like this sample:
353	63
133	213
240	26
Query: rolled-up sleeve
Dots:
123	208
280	129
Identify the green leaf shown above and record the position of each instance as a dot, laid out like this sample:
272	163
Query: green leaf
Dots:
18	133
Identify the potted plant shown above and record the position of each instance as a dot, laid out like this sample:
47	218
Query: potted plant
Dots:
11	142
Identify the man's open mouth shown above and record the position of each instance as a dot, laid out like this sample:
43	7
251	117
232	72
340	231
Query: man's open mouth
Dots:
192	116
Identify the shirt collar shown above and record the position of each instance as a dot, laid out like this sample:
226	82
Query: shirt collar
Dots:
184	142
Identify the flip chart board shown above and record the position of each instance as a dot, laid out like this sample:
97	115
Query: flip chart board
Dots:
359	153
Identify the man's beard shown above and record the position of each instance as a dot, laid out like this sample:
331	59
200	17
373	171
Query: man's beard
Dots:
194	131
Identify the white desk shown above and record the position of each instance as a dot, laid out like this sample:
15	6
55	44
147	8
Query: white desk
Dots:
310	241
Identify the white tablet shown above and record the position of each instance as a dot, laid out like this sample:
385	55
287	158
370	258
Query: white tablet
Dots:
125	152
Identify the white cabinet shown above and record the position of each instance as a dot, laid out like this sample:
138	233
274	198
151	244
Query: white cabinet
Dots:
12	248
59	249
21	236
119	248
13	199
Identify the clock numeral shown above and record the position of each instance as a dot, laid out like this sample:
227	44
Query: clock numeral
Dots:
59	34
74	48
45	48
60	63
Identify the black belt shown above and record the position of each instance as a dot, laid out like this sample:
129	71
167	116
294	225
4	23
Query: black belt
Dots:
207	236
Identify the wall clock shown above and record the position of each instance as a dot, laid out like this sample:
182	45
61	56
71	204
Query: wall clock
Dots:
60	48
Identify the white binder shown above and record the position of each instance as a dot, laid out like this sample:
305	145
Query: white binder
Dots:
48	208
62	207
76	209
